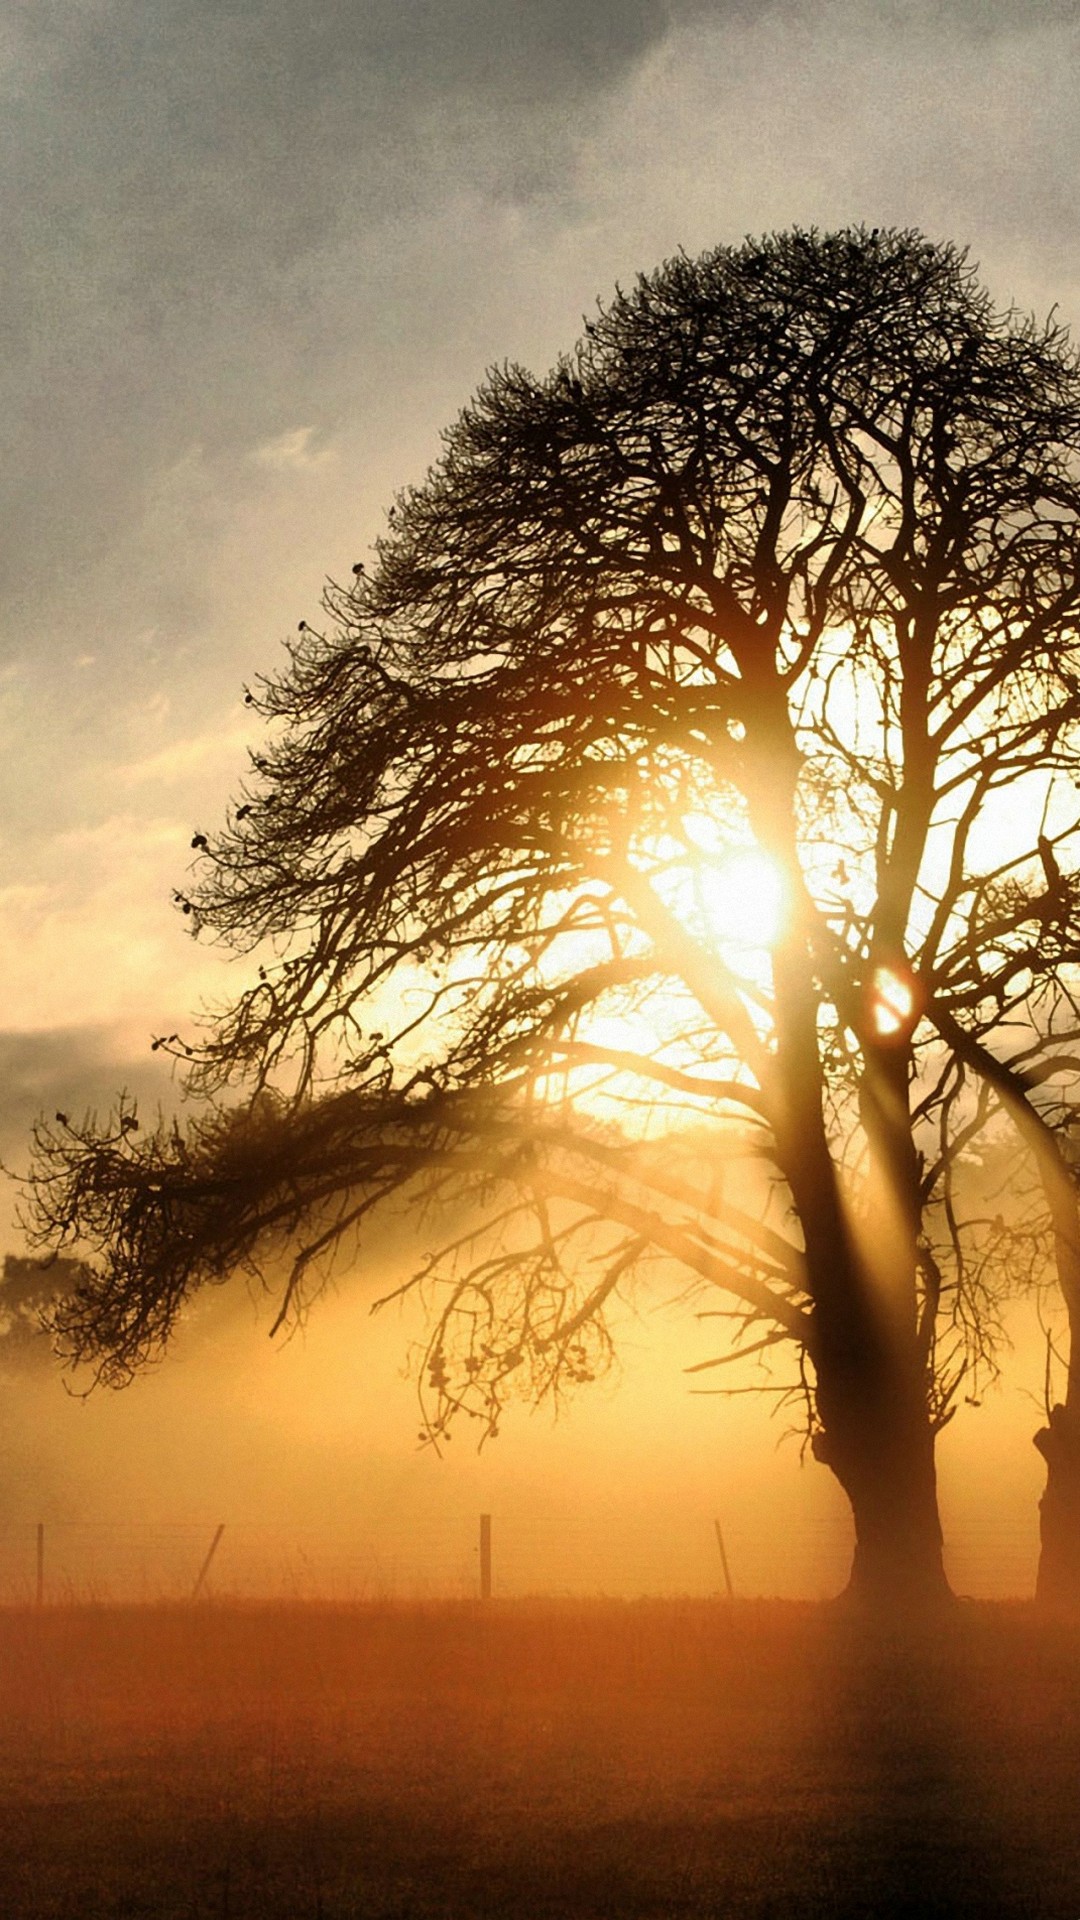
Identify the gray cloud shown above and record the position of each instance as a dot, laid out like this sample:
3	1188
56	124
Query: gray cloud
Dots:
200	198
220	223
73	1070
77	1069
171	172
176	177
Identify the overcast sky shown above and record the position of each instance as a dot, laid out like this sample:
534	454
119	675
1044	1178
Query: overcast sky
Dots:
257	253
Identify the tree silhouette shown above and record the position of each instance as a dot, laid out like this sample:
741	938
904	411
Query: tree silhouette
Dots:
632	871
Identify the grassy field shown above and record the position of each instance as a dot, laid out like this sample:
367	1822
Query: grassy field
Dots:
520	1759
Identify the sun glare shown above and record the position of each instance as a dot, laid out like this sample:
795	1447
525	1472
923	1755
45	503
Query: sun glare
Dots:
743	896
892	1006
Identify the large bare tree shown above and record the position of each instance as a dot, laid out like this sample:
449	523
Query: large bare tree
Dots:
630	872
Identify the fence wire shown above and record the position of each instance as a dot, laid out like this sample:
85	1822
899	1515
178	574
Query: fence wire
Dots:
437	1556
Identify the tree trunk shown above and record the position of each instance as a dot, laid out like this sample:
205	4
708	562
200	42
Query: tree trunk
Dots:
1058	1582
877	1439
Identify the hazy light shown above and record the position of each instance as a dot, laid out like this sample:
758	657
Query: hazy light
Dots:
744	897
892	1003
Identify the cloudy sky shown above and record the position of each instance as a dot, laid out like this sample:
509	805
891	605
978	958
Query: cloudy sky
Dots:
257	253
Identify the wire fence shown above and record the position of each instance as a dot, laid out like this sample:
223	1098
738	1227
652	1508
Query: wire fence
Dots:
463	1555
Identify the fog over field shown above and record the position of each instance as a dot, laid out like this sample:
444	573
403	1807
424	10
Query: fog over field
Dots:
256	257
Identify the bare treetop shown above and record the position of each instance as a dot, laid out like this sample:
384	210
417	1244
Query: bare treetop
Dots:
633	820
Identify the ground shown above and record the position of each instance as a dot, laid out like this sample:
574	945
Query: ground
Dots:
639	1760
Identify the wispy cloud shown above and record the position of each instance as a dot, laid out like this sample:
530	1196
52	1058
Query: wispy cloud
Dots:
94	938
295	451
219	749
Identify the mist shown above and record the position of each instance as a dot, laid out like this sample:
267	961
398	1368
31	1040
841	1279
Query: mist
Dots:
307	1448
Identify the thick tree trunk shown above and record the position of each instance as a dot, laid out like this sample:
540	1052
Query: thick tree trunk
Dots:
869	1362
877	1439
1058	1581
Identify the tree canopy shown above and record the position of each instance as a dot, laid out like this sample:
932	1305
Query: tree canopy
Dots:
663	854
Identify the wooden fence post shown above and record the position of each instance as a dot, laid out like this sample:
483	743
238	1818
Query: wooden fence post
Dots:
724	1561
485	1556
41	1563
205	1568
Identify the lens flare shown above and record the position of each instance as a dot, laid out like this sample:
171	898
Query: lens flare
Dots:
892	1003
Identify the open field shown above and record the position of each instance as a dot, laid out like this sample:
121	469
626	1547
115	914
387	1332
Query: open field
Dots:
534	1759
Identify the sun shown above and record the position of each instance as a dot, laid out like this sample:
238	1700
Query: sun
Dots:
743	897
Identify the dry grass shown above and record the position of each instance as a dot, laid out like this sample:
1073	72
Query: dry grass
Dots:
520	1760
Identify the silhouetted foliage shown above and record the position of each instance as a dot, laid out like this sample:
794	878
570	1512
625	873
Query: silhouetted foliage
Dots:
784	556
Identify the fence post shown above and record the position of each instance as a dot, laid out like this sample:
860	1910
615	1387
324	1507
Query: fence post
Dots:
41	1563
205	1568
724	1561
485	1556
